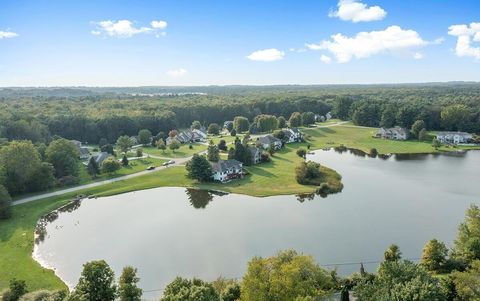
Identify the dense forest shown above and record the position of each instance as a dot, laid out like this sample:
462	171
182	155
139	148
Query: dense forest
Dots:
89	114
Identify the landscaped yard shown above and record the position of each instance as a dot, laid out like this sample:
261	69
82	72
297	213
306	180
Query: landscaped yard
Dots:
183	152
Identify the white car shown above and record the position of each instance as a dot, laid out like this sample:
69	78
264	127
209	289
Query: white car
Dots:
171	162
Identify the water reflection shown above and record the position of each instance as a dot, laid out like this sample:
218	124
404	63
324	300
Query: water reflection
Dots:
41	227
200	198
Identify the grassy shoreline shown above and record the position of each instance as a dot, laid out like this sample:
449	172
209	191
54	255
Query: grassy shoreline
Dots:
274	178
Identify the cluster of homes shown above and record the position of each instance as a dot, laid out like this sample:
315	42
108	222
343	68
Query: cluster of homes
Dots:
226	170
398	133
189	136
85	153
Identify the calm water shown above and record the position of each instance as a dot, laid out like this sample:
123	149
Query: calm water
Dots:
166	232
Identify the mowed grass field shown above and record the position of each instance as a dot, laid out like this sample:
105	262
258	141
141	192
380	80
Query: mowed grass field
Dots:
274	178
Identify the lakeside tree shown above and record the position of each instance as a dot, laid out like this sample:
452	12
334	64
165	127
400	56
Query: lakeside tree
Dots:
189	290
392	253
174	144
467	245
284	277
417	127
196	125
125	160
64	157
213	129
434	255
436	143
161	145
308	118
124	143
92	168
302	153
241	124
222	145
110	165
96	283
5	203
422	135
128	289
307	172
16	289
295	119
282	122
199	169
455	117
213	153
144	137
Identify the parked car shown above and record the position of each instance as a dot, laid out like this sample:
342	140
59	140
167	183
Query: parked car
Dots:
171	162
151	168
165	163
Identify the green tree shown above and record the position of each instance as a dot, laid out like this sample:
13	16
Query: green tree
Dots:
92	168
127	286
392	253
161	145
144	137
417	127
139	152
214	129
231	153
308	118
96	283
302	153
233	133
110	165
181	289
222	145
199	168
196	125
125	160
5	203
341	107
295	119
213	153
231	292
64	157
455	117
266	123
436	143
467	284
389	116
307	172
20	161
422	135
17	288
241	124
434	255
282	122
285	277
124	143
102	142
467	245
174	144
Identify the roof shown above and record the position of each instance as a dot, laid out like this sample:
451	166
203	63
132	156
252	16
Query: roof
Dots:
84	151
395	130
224	165
100	157
268	139
76	142
454	133
295	130
254	150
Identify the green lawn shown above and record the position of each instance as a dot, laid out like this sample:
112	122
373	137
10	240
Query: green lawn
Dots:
183	152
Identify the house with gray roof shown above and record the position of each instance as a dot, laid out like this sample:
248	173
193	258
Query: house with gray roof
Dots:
454	137
256	154
292	135
100	157
268	140
189	136
82	150
395	133
226	170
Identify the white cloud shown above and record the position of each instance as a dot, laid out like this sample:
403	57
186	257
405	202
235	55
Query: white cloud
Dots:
7	34
177	72
266	55
326	59
466	36
356	11
127	29
418	56
159	24
365	44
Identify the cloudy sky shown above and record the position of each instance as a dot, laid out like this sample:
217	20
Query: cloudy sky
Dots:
179	42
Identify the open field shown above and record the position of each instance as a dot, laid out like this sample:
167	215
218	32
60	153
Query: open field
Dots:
183	152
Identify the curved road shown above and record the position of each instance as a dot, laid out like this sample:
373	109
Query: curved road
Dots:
178	161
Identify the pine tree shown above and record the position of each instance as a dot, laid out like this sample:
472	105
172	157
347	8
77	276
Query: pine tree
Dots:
93	168
125	160
213	153
199	168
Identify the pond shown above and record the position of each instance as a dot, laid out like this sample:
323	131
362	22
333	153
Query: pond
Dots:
166	232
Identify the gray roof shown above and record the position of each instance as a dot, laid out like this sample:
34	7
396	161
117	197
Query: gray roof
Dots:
454	133
268	139
100	157
295	130
254	150
84	151
395	130
224	165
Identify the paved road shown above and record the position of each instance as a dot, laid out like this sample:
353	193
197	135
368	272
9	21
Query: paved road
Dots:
178	161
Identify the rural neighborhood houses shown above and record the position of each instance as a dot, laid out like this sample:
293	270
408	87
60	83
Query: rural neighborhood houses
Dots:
292	135
226	170
256	154
189	136
268	140
395	133
82	150
100	157
454	137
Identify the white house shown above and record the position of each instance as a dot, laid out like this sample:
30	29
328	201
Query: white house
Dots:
226	170
328	116
268	140
256	154
292	135
454	137
189	136
396	133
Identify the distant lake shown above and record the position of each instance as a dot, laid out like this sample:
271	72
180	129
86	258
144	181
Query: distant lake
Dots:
165	232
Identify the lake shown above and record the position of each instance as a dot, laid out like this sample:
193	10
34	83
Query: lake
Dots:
166	232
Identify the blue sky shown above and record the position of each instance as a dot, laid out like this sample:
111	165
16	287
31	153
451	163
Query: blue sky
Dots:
115	43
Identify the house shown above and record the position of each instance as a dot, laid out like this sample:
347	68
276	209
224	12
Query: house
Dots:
199	135
226	170
189	136
328	116
292	135
319	118
454	137
100	157
82	150
134	140
256	154
268	140
228	124
395	133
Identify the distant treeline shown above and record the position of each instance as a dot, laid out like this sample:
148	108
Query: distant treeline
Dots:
111	112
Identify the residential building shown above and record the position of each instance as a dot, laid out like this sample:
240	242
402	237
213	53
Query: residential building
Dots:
454	137
268	140
328	116
256	154
226	170
189	136
227	124
100	157
82	150
292	135
395	133
319	118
